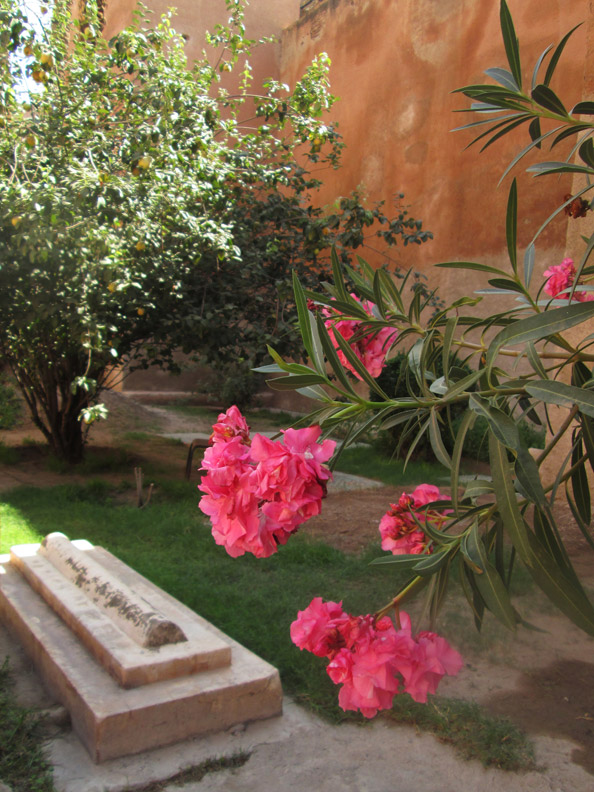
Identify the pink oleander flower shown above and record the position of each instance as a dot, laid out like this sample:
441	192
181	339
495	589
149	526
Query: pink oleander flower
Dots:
322	628
400	532
371	349
371	659
431	660
561	277
230	424
258	492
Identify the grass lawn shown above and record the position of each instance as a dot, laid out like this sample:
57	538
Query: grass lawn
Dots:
252	600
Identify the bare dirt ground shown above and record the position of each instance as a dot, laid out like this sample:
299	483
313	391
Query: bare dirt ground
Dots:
541	680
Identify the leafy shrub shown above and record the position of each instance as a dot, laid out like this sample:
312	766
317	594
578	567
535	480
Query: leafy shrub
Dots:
10	406
398	382
393	380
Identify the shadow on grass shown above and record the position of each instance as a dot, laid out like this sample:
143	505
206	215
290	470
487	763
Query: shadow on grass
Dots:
252	600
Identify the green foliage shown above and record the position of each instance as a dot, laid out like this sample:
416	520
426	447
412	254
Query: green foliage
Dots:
514	505
23	765
145	207
397	380
175	550
10	406
365	461
495	742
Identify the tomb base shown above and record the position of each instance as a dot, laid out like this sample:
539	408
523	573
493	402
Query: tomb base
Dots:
112	721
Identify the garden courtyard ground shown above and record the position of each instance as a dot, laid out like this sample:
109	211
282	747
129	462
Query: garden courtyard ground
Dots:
541	680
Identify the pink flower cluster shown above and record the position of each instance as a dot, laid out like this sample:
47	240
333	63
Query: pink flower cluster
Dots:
370	658
258	492
398	528
371	348
561	277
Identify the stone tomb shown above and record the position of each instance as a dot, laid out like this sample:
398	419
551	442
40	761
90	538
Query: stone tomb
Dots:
135	668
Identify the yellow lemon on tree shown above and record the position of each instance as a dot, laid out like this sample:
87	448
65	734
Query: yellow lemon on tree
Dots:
140	245
16	220
28	50
111	287
47	59
39	76
145	162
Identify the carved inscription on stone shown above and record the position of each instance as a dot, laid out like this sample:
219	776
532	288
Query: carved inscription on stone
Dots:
133	614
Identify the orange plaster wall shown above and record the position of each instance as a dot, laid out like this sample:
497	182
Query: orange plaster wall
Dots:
394	66
194	17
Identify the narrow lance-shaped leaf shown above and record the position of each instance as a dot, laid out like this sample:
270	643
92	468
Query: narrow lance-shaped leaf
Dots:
472	594
471	265
529	257
391	289
377	291
548	99
436	441
510	42
338	277
429	565
562	590
503	77
557	54
583	108
507	503
539	327
529	477
511	225
536	142
579	484
502	426
358	365
466	423
303	316
546	532
489	582
554	392
521	118
538	64
331	355
586	152
404	561
446	351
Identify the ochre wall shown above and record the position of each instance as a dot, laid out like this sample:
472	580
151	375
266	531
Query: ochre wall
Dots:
394	67
395	64
194	17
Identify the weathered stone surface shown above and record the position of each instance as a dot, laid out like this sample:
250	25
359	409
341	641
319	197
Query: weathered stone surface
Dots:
137	617
113	722
130	664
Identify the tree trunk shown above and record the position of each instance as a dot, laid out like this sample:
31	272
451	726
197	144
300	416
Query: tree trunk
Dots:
55	410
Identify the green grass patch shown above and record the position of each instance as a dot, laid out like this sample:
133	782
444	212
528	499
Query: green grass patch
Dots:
97	460
8	454
496	742
22	763
252	600
10	405
365	461
256	418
